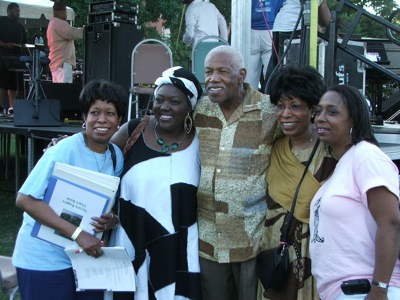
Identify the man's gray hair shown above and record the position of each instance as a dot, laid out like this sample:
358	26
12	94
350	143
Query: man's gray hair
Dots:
236	58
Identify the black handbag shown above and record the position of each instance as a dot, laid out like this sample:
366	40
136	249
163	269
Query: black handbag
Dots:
272	265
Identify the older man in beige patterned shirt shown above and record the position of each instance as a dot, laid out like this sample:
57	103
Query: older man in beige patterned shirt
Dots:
236	126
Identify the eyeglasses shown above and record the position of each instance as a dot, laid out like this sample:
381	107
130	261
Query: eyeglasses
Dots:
293	108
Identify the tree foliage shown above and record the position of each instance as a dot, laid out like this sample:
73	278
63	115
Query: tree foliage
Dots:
172	14
367	27
150	11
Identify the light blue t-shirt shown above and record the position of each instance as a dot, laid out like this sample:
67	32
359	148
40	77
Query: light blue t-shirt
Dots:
34	254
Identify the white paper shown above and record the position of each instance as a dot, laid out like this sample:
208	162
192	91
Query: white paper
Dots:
102	183
113	271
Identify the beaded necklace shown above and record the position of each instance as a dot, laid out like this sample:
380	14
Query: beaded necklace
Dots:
160	141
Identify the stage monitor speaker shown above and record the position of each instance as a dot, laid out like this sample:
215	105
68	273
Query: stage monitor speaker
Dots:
348	70
48	114
108	51
68	94
391	106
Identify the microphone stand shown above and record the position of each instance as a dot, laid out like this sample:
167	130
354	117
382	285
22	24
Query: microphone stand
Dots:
36	80
305	57
36	87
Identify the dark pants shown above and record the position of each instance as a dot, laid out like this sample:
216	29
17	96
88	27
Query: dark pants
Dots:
8	79
228	281
51	285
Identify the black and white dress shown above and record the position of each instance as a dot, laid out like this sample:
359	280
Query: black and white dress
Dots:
158	213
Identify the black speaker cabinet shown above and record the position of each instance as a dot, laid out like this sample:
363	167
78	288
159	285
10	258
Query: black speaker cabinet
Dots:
349	70
26	113
108	51
68	94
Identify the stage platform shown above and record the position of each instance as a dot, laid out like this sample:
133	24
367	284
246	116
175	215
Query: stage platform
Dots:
388	136
31	134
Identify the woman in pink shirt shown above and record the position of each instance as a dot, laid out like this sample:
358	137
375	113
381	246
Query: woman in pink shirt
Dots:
354	216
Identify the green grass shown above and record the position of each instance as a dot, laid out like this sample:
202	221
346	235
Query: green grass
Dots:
10	220
10	215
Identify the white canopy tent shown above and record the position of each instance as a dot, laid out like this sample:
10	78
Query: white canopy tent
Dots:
34	13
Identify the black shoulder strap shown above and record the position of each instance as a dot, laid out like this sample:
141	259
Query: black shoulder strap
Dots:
289	215
113	155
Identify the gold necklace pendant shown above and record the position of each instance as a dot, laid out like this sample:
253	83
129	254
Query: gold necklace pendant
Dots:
307	144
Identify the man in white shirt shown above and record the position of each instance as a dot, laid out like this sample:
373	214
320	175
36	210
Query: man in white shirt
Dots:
203	19
284	26
60	39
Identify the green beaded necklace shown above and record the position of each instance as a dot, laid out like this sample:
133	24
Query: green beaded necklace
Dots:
160	141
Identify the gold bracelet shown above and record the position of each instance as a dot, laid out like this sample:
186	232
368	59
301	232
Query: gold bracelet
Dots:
77	231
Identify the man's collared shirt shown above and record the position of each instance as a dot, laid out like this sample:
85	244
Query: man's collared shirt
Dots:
235	154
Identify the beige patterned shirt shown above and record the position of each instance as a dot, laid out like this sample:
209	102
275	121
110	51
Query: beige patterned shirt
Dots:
235	155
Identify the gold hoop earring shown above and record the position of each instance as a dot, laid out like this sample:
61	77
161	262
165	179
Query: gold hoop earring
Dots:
188	123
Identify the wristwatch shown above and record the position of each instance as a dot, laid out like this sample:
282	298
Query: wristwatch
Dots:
382	285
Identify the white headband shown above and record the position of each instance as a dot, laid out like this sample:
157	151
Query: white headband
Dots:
181	79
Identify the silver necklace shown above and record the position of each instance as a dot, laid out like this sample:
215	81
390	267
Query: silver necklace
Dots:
97	164
164	147
94	155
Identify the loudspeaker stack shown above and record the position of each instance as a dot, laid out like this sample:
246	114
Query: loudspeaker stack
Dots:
110	36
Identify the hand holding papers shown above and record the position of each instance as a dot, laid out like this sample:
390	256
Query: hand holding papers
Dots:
76	195
113	271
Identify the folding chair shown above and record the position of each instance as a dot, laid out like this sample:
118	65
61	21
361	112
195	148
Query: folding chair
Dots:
199	53
150	58
8	277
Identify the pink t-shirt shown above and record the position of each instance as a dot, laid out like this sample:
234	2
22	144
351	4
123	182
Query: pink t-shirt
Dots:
342	242
60	39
